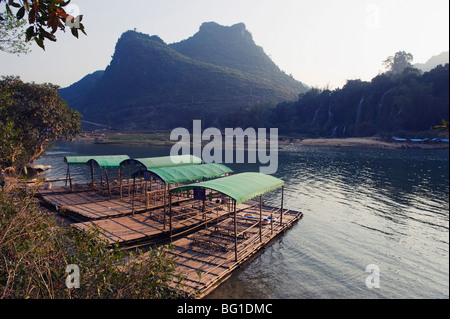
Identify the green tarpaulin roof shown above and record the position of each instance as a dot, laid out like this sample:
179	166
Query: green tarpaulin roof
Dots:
111	161
77	160
186	173
240	187
163	161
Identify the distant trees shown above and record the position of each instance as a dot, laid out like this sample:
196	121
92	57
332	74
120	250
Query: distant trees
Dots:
31	115
12	34
399	62
409	101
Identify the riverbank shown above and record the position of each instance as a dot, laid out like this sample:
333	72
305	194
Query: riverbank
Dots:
372	142
163	139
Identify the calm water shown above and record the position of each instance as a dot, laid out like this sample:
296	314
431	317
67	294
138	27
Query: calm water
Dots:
361	206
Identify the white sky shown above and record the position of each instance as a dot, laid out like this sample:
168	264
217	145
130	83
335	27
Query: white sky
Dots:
320	42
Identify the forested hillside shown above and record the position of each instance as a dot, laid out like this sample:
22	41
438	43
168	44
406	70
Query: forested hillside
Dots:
409	101
149	85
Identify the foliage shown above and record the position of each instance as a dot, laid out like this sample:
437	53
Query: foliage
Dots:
12	32
35	251
44	17
48	118
397	63
410	102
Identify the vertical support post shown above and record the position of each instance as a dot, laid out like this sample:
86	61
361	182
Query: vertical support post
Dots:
70	181
120	181
68	177
67	174
282	201
260	218
107	183
92	176
235	234
146	195
164	198
134	194
170	215
128	180
271	222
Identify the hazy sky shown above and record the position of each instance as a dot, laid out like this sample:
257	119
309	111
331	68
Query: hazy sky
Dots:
321	42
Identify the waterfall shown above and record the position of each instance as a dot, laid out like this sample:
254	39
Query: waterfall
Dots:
315	115
330	114
343	131
358	113
334	131
380	105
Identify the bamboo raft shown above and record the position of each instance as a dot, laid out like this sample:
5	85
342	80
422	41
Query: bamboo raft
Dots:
214	225
206	258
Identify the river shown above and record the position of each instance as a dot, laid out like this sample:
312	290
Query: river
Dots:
386	209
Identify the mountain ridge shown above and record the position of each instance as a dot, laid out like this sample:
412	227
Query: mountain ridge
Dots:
147	80
439	59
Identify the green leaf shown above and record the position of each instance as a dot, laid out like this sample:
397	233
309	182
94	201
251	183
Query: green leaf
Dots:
20	13
74	32
40	42
29	33
32	16
15	5
49	36
82	29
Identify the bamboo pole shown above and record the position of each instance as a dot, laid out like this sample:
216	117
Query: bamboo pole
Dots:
260	218
120	181
134	194
235	234
69	177
92	176
107	183
128	181
170	216
146	195
282	201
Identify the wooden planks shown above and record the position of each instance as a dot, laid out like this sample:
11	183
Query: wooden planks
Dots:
95	205
202	267
153	224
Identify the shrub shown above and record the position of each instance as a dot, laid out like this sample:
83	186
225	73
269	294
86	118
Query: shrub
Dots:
35	251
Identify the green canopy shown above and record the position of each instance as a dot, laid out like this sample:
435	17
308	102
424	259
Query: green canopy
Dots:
186	173
240	187
111	161
77	160
163	161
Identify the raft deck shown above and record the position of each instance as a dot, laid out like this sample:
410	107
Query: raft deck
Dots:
204	259
152	226
94	205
